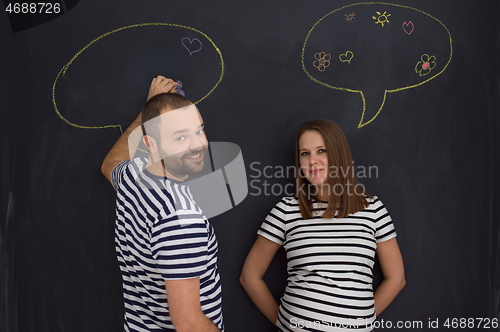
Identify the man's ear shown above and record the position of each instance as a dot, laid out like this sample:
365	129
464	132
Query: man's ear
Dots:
150	143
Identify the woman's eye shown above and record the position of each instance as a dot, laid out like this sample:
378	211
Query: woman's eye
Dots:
322	151
303	154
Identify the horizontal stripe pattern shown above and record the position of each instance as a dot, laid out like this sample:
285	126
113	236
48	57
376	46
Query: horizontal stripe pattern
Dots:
161	234
330	265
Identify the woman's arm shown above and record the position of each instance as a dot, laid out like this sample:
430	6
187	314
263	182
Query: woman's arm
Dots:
391	262
256	264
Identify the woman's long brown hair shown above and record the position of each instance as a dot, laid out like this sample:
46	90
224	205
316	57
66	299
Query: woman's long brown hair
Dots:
339	156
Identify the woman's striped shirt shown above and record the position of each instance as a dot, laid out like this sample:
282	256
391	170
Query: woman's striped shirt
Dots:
161	234
330	265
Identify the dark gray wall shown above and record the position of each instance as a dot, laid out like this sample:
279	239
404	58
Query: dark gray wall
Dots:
435	146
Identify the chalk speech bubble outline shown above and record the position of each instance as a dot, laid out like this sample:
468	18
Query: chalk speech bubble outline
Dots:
66	66
361	124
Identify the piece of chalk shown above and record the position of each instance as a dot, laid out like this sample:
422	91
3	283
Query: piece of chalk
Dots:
178	89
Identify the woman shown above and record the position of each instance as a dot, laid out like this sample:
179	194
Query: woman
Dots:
331	231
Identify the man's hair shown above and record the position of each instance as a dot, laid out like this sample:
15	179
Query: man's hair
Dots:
339	155
157	105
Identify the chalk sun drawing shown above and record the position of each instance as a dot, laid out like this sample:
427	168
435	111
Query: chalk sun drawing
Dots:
382	18
65	68
328	33
188	44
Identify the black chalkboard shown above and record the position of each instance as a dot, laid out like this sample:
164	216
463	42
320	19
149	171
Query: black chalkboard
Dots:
417	97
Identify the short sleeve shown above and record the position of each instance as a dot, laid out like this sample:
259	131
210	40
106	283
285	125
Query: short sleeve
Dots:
384	227
179	245
273	228
118	173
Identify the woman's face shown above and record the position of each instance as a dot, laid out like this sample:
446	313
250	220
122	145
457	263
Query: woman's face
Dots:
313	158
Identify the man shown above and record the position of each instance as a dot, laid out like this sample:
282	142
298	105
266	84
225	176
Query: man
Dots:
166	248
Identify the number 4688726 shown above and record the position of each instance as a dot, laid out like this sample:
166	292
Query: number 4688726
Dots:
33	8
471	323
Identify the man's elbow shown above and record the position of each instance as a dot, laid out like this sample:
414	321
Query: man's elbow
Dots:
105	170
242	279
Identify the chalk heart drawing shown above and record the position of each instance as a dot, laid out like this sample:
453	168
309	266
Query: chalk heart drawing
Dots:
408	27
192	45
65	68
346	57
378	70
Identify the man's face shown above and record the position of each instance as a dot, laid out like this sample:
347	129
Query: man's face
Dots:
182	145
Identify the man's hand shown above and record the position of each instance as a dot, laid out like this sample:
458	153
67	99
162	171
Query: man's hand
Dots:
161	84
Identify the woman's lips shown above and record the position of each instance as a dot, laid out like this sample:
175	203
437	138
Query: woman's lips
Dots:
315	171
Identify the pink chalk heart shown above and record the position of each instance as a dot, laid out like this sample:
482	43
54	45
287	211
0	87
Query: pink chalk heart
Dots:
407	26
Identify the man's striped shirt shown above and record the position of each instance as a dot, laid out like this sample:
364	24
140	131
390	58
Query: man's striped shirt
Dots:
330	265
161	234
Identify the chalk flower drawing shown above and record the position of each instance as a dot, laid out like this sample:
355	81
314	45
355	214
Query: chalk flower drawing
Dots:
322	60
350	17
382	18
425	65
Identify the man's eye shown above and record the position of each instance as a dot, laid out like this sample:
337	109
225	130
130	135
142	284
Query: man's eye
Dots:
200	132
180	138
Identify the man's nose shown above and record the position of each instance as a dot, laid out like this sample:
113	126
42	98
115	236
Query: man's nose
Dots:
198	142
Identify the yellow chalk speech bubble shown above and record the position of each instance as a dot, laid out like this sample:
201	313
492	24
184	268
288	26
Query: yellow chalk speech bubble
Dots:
345	57
67	65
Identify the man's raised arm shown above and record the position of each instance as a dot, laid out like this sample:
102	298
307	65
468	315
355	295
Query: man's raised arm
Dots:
120	151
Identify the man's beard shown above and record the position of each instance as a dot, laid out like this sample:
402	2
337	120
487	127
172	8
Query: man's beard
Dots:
179	166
